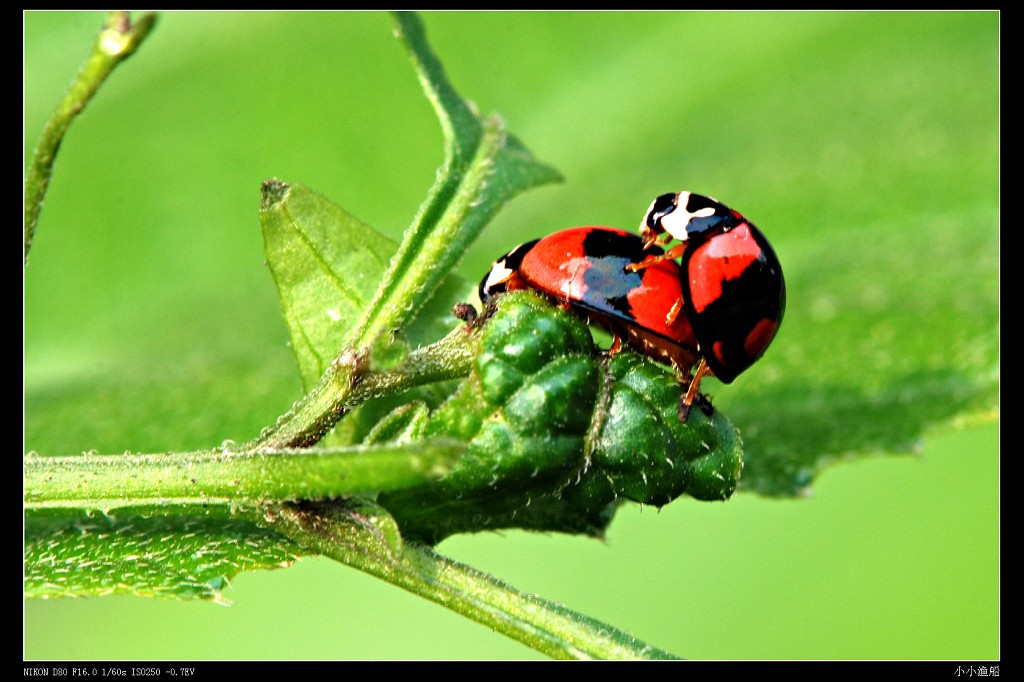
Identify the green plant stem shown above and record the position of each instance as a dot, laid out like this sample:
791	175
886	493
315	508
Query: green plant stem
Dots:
106	482
115	43
440	234
347	383
538	623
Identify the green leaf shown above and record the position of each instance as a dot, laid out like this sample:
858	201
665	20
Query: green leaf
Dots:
907	324
326	264
459	121
180	526
185	556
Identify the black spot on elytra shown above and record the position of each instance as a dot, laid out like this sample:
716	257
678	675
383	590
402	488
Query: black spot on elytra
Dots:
602	243
608	283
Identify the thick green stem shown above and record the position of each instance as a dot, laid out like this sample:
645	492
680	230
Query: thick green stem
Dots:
107	482
118	40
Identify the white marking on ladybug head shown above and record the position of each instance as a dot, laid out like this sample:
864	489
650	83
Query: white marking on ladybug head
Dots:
676	222
499	273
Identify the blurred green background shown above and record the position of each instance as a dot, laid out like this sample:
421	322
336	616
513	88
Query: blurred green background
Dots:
151	323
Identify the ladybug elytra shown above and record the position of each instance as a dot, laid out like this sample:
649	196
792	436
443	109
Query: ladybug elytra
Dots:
586	268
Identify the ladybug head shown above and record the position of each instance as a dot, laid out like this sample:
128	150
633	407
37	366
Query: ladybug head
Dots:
504	273
686	216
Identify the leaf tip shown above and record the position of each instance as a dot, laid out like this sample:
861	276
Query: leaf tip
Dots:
272	193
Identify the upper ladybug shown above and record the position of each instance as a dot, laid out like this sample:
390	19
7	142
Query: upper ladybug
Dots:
734	294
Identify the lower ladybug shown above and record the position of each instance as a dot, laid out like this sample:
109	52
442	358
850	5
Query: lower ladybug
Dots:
734	295
589	269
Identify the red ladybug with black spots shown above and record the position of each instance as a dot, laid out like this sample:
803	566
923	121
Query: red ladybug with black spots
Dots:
715	311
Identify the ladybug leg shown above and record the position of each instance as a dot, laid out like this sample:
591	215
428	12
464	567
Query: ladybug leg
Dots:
645	263
673	312
673	253
691	395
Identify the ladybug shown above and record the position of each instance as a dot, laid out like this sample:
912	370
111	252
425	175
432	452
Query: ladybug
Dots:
589	269
733	291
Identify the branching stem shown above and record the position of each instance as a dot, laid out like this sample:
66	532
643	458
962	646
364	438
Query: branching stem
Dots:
348	383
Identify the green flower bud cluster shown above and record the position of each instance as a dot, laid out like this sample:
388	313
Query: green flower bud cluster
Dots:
558	433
